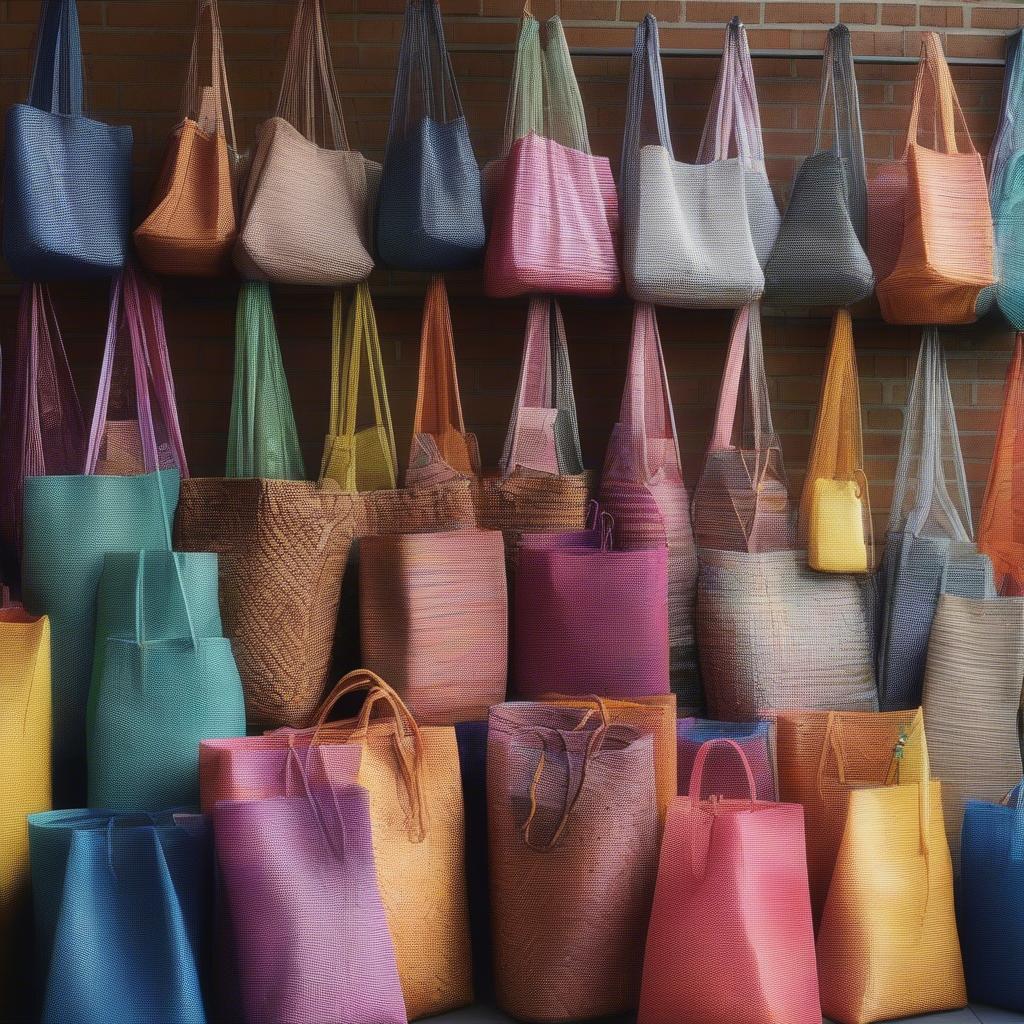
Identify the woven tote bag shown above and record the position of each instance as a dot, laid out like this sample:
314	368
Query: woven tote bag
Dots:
429	210
683	245
723	774
555	220
730	936
541	485
821	756
644	491
742	502
25	764
1001	530
309	198
567	788
943	255
191	226
983	642
301	868
67	178
887	943
263	440
413	778
835	507
433	612
115	891
43	429
988	909
773	634
929	548
819	258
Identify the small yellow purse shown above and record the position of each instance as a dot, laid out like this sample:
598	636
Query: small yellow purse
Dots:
835	533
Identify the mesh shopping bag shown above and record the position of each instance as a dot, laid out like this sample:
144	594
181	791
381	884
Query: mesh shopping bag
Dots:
819	257
301	868
773	634
122	904
67	178
730	936
309	198
929	548
555	210
429	211
887	943
741	502
821	756
191	226
568	788
644	491
974	674
684	245
930	225
723	775
835	508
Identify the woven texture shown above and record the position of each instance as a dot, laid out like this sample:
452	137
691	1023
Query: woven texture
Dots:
821	756
430	210
67	178
191	226
434	620
301	868
644	491
773	634
741	502
981	642
556	212
309	199
724	774
945	248
887	945
115	891
683	244
566	788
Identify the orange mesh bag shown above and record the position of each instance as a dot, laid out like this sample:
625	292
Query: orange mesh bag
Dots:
929	222
573	829
822	755
191	227
742	500
1001	533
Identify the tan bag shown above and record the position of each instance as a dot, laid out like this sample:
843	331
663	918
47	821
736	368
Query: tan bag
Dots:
309	199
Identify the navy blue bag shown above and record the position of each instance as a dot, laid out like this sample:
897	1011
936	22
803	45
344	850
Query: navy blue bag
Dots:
67	178
429	208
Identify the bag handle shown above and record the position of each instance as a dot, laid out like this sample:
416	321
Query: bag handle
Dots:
1008	136
193	94
438	403
949	114
57	77
699	762
140	598
336	840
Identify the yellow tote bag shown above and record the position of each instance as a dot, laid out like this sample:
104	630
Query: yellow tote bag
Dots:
835	513
358	460
25	770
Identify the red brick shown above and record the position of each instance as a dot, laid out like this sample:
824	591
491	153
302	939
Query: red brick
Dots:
858	14
717	12
899	14
588	10
666	11
945	16
996	17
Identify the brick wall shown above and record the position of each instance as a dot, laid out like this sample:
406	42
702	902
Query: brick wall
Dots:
136	51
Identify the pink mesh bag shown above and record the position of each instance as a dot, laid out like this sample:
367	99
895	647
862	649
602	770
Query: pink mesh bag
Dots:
724	773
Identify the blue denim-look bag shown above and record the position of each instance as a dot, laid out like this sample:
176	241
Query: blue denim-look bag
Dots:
429	208
67	178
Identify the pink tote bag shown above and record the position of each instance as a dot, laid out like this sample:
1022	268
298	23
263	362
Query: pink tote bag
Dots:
724	774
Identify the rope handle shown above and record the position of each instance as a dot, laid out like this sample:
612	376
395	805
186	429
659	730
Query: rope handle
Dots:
438	402
949	113
193	95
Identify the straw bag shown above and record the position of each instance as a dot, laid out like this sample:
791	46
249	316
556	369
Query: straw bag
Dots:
684	246
980	643
556	214
835	509
730	936
741	502
722	775
429	212
309	198
67	178
191	227
819	257
941	257
822	756
644	492
565	788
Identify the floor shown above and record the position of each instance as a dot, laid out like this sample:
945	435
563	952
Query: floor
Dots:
975	1015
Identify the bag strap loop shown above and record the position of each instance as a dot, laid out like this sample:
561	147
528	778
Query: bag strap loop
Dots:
194	95
949	114
57	76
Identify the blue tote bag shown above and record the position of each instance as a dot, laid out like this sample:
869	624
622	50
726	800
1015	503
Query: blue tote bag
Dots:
429	208
67	178
122	904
